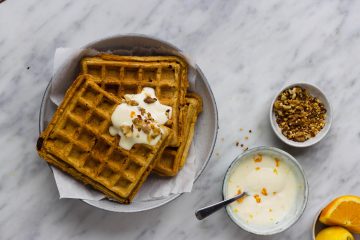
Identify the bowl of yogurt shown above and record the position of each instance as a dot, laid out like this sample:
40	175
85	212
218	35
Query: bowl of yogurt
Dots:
277	190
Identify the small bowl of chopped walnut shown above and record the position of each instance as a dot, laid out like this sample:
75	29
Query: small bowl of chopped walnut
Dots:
300	115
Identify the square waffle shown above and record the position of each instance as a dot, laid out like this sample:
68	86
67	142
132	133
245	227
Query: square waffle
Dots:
122	75
78	142
173	158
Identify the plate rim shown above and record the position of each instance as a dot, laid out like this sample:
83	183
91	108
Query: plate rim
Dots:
213	102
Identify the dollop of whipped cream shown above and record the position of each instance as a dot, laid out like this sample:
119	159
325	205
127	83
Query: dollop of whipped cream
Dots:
139	118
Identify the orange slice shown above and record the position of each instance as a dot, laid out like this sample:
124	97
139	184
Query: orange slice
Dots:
343	211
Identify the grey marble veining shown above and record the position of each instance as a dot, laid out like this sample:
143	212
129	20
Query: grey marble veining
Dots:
247	50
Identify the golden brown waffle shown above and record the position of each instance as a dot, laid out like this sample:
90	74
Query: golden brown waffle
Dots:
122	75
174	158
78	142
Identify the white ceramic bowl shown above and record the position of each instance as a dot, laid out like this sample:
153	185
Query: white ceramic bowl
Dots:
207	125
316	92
302	197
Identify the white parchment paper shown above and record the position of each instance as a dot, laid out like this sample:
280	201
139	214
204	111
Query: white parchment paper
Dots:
66	67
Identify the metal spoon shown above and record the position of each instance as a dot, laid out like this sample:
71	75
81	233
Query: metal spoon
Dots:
206	211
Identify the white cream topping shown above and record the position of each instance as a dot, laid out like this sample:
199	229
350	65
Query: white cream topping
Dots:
273	189
140	123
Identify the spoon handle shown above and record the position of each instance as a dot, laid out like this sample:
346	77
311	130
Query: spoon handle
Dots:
206	211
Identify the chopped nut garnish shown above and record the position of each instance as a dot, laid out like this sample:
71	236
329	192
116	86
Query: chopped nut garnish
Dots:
146	129
258	158
132	103
264	191
299	115
126	130
150	100
142	110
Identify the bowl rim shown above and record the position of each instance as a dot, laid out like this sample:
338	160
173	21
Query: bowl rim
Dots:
212	97
320	135
297	164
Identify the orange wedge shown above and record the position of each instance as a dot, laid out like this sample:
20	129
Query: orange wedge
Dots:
343	211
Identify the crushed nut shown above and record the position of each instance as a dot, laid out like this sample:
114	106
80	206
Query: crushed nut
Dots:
150	100
126	130
132	103
142	110
299	115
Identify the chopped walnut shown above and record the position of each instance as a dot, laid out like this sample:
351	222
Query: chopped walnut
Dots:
126	130
146	128
150	100
142	110
156	132
132	102
299	115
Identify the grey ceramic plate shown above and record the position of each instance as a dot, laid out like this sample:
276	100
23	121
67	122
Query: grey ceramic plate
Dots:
206	129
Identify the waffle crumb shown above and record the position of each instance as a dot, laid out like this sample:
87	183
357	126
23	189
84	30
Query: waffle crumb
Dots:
299	115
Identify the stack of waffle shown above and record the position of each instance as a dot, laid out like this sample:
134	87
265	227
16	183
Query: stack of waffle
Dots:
77	139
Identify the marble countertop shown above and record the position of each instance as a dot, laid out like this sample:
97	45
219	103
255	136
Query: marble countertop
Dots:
247	49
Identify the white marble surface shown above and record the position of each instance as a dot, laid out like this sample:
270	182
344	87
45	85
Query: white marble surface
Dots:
247	50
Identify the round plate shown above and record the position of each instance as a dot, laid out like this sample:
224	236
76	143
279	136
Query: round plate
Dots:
206	128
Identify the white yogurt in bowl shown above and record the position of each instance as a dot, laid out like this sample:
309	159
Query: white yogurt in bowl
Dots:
277	190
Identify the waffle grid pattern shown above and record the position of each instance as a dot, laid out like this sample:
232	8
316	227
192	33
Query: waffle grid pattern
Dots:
80	137
130	77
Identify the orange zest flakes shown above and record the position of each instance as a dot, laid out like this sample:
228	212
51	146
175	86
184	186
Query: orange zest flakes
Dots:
275	171
257	198
240	200
258	158
132	114
277	162
257	168
264	192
